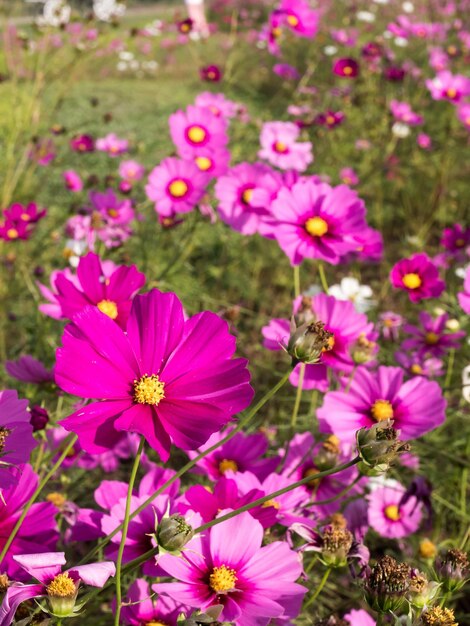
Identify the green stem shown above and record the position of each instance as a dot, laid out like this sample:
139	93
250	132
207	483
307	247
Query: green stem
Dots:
296	281
450	367
319	588
190	464
125	528
324	282
35	495
298	395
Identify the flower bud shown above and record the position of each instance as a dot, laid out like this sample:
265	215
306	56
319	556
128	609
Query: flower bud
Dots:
452	569
437	616
201	619
378	446
308	342
39	418
336	545
173	533
327	455
387	585
422	591
363	350
427	549
62	594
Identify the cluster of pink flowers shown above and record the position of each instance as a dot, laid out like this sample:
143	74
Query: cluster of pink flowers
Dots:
19	221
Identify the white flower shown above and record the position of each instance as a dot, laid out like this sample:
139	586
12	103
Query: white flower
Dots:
400	130
330	50
122	66
74	248
466	383
365	16
55	13
125	55
387	34
453	324
381	1
351	289
408	7
461	271
105	10
401	42
313	290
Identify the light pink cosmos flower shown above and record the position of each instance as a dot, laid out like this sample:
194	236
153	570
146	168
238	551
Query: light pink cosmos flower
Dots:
72	181
280	147
464	296
176	186
197	128
228	565
349	177
403	112
165	378
114	211
299	17
431	337
388	517
211	162
463	114
112	144
217	103
318	221
131	171
424	141
448	86
16	437
53	582
141	607
416	406
359	617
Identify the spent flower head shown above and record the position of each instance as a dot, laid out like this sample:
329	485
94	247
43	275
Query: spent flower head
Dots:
378	447
308	341
387	585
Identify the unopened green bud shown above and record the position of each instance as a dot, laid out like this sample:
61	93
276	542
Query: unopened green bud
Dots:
308	342
378	447
363	350
173	533
422	591
62	595
453	569
210	616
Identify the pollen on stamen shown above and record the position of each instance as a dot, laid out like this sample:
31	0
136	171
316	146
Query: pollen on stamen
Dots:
316	226
382	410
149	390
109	308
222	579
227	464
62	586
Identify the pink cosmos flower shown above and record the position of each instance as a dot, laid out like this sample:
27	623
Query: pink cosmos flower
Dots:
390	323
284	70
211	162
330	119
419	276
279	146
448	86
16	437
299	17
112	144
211	73
38	533
416	406
463	114
346	67
72	180
197	128
111	293
53	308
464	296
242	453
57	585
388	517
141	608
229	566
217	103
238	205
456	240
345	37
43	151
424	141
111	209
359	617
131	170
349	177
167	379
13	231
403	112
438	59
317	221
175	186
82	143
27	369
431	336
19	221
417	365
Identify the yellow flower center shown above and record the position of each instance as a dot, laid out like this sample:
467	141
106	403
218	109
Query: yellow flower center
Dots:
247	195
292	20
227	464
222	579
461	242
281	147
416	369
196	134
149	390
314	482
272	503
427	549
330	119
331	344
382	410
467	121
112	213
203	163
184	28
153	623
62	586
347	70
431	339
316	226
392	512
12	233
56	498
276	32
4	432
25	217
412	281
451	92
109	308
178	188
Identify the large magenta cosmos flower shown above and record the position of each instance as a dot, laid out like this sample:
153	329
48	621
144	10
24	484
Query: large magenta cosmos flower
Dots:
167	379
228	566
416	406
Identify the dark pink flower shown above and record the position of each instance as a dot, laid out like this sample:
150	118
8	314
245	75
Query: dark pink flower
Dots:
29	370
431	337
464	296
167	379
72	180
346	67
82	143
419	276
211	73
140	607
299	17
16	437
